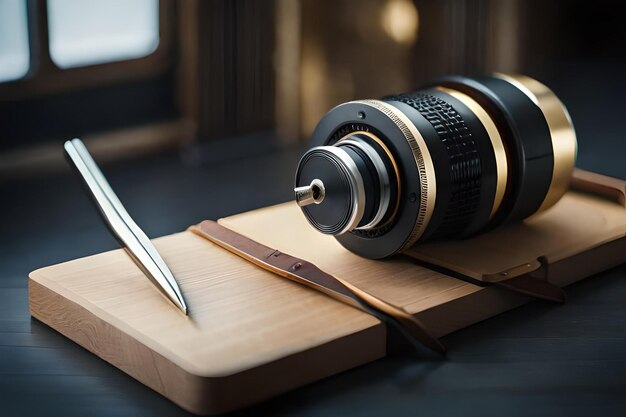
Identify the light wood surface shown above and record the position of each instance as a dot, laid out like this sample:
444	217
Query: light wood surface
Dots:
577	223
598	184
251	334
398	281
240	317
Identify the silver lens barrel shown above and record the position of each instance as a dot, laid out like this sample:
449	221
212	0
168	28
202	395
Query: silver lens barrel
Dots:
383	179
356	186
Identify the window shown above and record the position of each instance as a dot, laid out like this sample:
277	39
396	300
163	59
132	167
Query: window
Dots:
73	67
14	51
87	32
76	33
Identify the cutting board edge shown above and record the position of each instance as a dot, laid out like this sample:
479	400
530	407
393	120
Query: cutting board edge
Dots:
204	395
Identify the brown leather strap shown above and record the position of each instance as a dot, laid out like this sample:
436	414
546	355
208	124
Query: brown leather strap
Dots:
534	287
310	275
523	284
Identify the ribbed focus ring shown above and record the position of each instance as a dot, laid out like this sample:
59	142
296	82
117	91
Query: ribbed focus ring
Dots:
465	166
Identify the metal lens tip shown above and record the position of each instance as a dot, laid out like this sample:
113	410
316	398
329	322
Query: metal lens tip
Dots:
313	193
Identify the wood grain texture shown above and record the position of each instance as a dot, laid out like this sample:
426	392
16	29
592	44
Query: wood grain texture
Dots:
251	334
241	318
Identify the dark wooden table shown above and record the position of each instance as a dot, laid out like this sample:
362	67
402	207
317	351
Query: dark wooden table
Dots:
540	359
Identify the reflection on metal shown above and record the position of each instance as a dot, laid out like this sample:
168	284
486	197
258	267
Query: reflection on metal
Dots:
564	143
122	226
313	193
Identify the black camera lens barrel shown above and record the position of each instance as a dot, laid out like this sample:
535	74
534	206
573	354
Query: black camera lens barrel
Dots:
461	156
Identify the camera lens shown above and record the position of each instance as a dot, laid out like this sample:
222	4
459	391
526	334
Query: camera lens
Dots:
461	156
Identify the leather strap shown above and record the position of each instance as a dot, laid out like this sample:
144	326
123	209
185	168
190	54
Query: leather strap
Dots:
534	287
522	284
306	273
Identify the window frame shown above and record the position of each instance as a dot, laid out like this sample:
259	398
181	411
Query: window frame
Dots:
45	77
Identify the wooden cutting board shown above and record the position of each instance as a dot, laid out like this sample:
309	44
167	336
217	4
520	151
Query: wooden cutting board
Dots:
251	335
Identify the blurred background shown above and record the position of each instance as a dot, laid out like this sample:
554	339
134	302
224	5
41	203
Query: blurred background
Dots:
200	109
134	77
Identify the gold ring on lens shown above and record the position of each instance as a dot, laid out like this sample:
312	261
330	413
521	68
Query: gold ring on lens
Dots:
502	167
561	131
423	162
